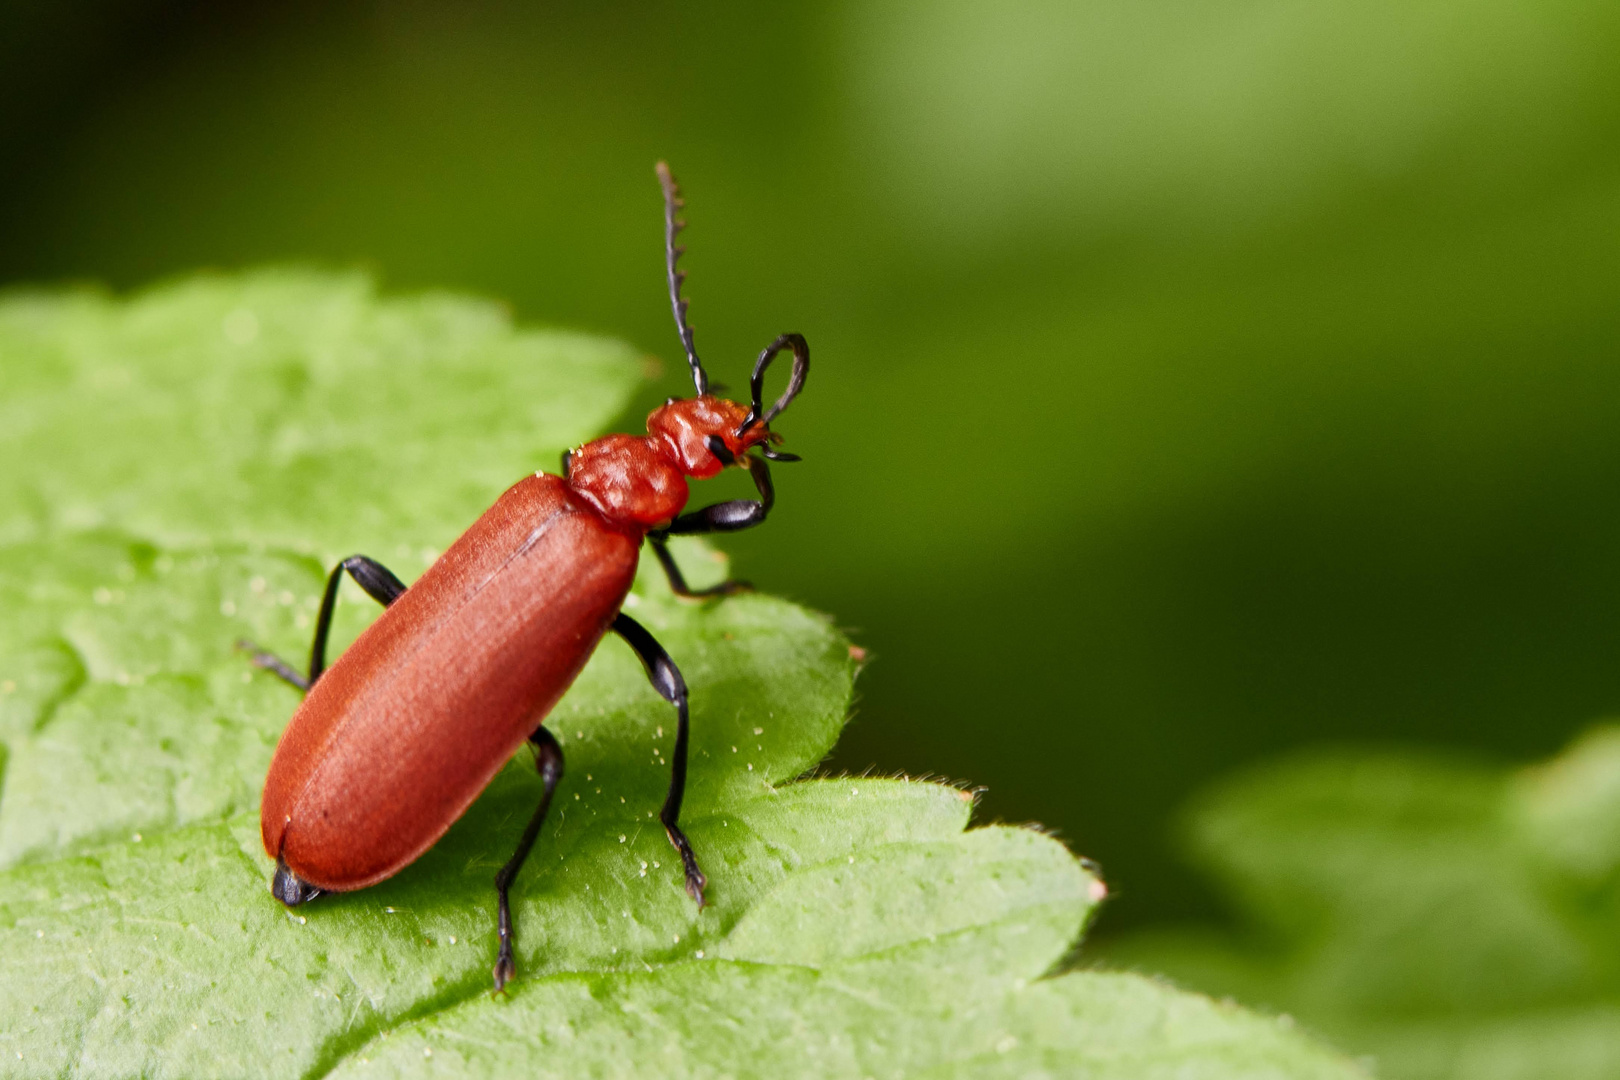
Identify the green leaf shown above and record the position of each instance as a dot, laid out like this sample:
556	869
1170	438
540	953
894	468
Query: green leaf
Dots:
162	503
1452	919
285	408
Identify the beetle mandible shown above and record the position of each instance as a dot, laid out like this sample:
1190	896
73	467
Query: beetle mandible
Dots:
395	740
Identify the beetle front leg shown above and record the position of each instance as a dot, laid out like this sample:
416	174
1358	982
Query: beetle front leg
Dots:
379	583
666	679
733	515
677	580
548	759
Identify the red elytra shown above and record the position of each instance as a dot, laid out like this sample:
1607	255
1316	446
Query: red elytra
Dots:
394	741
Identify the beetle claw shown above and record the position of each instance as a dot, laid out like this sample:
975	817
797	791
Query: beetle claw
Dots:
695	881
694	877
505	970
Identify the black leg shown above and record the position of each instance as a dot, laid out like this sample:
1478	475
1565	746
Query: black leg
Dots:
376	579
274	664
379	583
666	679
548	759
730	516
677	580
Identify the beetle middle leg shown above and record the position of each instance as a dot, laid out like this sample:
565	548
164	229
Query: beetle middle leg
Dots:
379	583
548	759
666	679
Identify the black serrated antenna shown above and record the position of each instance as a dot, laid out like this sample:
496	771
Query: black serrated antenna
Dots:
672	254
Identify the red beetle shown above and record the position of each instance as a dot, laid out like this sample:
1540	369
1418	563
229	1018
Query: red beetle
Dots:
398	737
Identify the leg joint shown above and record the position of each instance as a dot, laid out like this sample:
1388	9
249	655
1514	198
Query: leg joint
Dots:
548	762
666	679
376	579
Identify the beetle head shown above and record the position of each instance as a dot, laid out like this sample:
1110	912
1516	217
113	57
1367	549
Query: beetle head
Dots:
705	434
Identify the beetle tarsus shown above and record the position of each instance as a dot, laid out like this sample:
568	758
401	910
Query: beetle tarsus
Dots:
505	966
273	664
677	580
695	880
725	588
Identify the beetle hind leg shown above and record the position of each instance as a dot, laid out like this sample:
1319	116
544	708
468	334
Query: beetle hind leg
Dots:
291	889
379	583
548	759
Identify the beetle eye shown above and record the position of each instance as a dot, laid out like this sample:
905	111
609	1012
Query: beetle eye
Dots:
717	447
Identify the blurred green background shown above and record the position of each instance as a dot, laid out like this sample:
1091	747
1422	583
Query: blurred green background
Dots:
1192	381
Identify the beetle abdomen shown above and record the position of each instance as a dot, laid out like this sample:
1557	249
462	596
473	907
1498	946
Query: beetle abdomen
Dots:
409	725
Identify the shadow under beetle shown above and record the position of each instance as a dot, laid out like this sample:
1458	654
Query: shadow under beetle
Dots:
395	740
